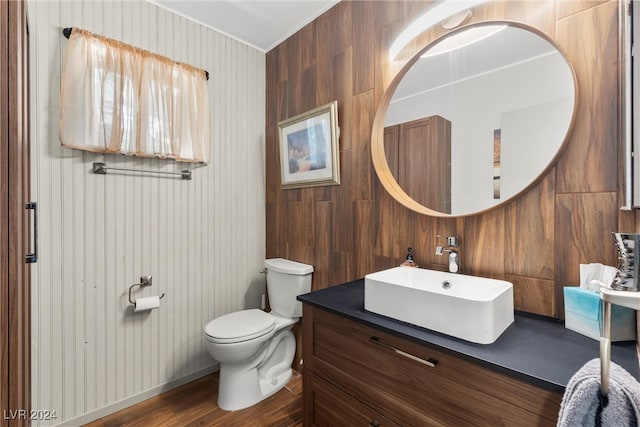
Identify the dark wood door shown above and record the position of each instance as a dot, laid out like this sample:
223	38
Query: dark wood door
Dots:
419	157
14	232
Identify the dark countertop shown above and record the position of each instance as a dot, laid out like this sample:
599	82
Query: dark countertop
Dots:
537	350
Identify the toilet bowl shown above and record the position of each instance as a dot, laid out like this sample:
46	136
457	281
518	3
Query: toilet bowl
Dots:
255	349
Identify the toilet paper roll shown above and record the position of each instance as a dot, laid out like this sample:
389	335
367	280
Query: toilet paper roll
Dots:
146	303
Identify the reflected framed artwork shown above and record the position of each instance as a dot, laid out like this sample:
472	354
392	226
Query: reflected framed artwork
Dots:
309	152
497	142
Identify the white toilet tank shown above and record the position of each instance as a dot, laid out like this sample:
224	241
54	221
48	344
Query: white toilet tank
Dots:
286	280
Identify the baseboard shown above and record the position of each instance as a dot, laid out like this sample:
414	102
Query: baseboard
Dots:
137	398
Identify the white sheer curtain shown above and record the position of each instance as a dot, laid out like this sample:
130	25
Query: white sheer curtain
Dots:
120	99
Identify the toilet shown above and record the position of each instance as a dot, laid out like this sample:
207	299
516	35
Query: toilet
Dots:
255	349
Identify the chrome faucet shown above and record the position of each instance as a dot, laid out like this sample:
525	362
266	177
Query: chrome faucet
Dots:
454	260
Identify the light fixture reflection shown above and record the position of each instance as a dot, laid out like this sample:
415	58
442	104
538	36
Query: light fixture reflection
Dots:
462	39
433	16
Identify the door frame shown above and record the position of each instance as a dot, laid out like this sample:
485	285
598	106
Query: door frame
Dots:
15	292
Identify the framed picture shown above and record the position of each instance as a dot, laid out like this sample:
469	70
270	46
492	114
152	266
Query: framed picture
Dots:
309	155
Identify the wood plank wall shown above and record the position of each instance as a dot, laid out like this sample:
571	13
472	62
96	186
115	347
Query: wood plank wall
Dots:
202	240
537	242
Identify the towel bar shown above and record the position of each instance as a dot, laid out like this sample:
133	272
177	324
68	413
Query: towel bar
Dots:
625	299
100	168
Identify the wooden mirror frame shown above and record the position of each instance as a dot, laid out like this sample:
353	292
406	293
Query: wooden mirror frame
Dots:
377	134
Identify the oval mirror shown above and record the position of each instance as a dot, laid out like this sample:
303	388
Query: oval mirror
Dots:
474	119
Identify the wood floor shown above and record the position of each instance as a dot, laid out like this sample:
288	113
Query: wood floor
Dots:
194	404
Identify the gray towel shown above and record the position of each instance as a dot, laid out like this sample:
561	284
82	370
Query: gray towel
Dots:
581	398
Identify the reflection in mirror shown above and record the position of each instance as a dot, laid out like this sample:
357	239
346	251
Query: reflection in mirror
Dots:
478	118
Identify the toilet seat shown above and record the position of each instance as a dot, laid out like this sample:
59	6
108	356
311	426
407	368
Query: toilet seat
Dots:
239	326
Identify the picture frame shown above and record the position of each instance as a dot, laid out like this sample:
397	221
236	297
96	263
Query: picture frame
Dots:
309	152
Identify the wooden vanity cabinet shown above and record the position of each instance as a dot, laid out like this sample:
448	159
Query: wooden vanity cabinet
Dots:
358	375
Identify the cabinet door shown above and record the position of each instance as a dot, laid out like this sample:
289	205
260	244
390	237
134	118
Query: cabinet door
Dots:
327	406
414	384
14	187
391	149
424	162
419	156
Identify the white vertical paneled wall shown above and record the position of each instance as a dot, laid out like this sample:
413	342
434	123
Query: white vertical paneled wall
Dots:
202	240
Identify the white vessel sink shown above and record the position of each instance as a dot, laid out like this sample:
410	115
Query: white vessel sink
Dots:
475	309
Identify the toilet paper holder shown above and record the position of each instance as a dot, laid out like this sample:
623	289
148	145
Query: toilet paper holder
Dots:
144	282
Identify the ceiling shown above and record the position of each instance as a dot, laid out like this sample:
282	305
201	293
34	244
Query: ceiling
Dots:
501	49
262	24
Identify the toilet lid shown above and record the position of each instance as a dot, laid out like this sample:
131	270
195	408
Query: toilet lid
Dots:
240	326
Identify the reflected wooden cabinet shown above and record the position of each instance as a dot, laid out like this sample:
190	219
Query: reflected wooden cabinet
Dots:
419	156
357	375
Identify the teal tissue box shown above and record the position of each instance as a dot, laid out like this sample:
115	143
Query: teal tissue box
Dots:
583	314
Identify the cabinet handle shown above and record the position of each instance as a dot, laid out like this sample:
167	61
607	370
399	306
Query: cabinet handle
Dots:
374	423
33	256
428	362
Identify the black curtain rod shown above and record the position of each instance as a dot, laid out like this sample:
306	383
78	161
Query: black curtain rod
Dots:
67	34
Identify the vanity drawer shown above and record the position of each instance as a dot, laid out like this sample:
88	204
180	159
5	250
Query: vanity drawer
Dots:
414	384
327	406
